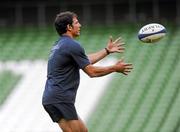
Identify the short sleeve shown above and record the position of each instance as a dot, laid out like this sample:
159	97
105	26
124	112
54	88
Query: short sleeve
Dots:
79	56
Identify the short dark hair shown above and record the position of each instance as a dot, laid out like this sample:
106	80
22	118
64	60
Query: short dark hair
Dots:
62	20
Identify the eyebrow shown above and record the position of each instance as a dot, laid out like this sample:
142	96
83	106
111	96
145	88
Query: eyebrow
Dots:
75	18
76	21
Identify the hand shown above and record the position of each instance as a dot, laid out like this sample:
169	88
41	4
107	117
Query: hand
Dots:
115	46
123	67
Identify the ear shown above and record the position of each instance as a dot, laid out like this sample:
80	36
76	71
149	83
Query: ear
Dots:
69	27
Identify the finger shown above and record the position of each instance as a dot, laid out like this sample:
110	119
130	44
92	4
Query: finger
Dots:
128	64
122	59
120	51
121	48
120	45
127	71
129	68
124	73
117	40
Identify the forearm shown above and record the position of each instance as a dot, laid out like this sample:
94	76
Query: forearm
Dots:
95	57
96	71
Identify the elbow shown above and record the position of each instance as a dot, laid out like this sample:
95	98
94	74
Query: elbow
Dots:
92	62
91	74
91	71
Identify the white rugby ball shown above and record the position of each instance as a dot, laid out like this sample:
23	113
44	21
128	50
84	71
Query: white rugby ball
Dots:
151	33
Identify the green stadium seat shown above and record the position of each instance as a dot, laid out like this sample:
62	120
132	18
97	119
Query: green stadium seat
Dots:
136	103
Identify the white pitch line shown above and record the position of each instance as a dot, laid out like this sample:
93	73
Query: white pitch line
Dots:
23	112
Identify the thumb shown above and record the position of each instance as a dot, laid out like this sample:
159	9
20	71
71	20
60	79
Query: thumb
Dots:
122	59
110	39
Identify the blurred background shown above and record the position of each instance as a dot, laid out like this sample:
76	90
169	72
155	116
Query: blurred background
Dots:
147	100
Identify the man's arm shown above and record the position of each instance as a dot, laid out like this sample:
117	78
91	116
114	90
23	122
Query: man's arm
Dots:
112	47
97	71
95	57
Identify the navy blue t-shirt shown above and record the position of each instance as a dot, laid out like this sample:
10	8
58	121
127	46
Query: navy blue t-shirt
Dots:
66	59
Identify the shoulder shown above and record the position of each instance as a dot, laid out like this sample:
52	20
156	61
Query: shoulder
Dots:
69	41
69	45
74	45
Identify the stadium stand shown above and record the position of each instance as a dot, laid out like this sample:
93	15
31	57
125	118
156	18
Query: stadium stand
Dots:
142	101
7	82
147	100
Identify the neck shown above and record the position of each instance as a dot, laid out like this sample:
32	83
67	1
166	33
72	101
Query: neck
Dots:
68	34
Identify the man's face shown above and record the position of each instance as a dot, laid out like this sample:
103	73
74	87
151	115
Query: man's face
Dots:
75	27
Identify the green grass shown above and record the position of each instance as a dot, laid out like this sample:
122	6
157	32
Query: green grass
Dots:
144	101
8	80
35	43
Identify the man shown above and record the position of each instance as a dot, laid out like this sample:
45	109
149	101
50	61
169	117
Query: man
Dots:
66	58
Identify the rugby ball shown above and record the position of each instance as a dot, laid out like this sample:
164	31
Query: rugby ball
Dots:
151	33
